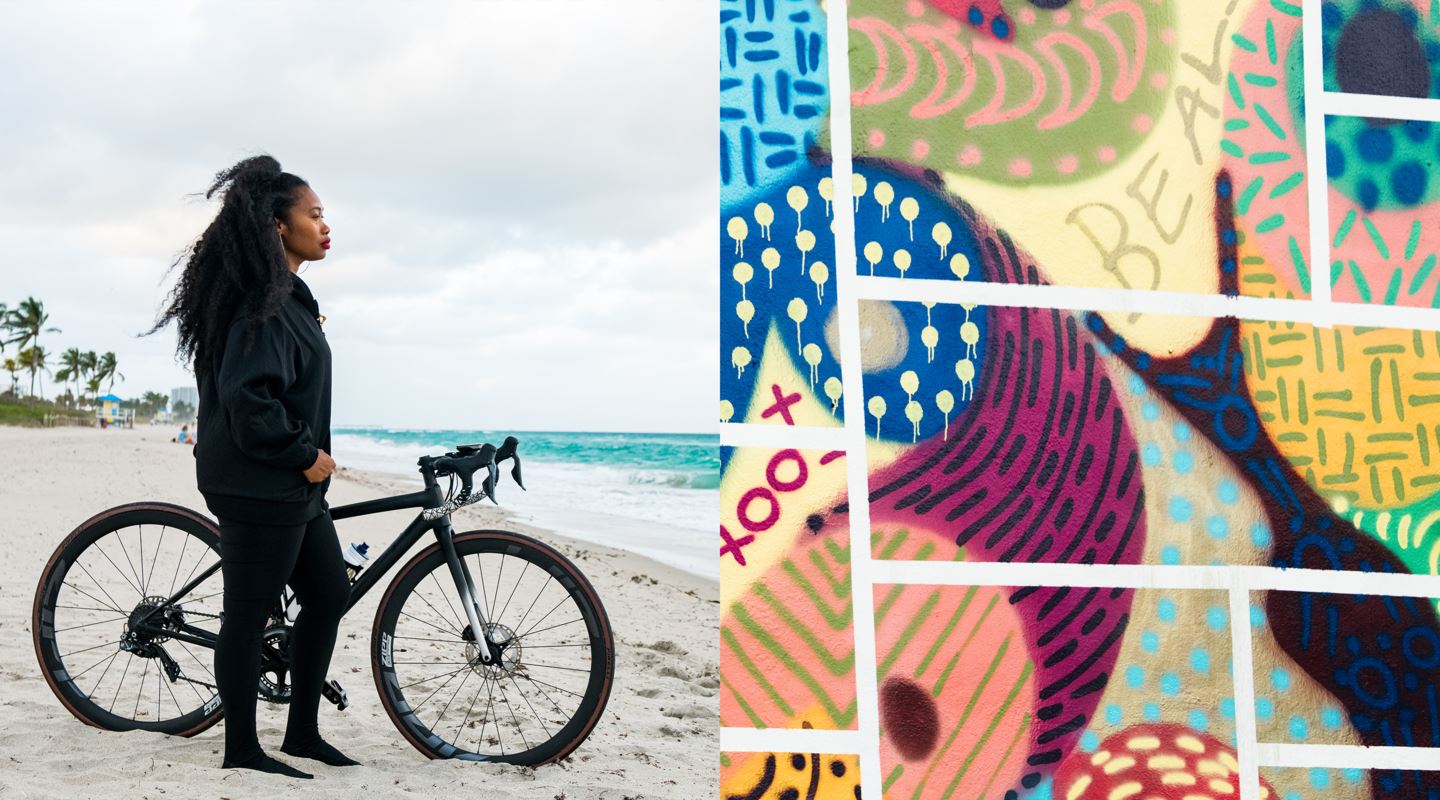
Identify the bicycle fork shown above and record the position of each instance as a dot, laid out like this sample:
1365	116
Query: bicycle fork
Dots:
489	652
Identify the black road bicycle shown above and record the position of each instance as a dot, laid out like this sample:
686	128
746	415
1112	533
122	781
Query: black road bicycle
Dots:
488	645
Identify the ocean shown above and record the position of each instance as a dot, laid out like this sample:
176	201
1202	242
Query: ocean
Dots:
656	494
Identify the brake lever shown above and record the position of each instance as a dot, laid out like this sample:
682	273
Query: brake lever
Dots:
490	482
515	471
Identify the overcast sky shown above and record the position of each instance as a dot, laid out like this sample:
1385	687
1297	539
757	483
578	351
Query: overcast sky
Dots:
522	194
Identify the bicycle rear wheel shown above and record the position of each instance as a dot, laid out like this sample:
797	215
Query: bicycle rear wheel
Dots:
552	681
106	575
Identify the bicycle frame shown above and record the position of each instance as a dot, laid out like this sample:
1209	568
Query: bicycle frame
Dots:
429	497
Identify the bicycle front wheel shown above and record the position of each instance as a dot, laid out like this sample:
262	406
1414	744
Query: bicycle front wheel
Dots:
546	693
116	569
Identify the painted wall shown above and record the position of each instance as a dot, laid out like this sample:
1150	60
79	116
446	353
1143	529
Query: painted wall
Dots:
1107	504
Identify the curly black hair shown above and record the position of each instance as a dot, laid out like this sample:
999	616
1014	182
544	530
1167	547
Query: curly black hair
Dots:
236	269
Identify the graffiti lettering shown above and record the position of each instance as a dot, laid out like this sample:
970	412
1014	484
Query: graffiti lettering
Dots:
1190	103
1151	202
1113	257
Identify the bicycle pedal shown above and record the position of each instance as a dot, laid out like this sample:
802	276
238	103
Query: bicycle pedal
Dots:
335	693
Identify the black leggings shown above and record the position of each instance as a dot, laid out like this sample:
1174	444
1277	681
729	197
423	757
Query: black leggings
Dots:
257	561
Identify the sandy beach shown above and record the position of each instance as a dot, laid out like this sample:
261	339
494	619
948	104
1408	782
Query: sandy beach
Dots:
657	739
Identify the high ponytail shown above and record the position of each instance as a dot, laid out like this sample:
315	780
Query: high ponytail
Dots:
237	268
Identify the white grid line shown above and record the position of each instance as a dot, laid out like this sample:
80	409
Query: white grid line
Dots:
862	596
1317	179
779	437
1242	676
790	740
1342	756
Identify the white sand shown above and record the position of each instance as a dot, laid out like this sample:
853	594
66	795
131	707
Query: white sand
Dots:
658	737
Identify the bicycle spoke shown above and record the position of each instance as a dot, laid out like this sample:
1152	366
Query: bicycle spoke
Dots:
490	713
141	691
427	639
480	570
538	718
555	666
179	561
552	686
97	584
118	571
404	613
467	714
511	708
191	576
90	608
154	559
498	579
453	696
551	628
458	620
196	660
116	609
547	614
512	591
436	677
436	610
173	699
548	580
91	694
142	559
89	624
64	656
77	675
437	689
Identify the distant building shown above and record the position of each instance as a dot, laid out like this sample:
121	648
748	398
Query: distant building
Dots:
185	394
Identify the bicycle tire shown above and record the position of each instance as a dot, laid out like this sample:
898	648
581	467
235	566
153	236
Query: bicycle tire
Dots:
61	676
406	713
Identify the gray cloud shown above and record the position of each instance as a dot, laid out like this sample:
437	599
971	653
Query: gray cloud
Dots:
522	192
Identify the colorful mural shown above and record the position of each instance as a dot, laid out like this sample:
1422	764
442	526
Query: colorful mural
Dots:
1127	145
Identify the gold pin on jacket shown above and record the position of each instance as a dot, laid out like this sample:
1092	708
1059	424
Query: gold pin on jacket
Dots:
320	319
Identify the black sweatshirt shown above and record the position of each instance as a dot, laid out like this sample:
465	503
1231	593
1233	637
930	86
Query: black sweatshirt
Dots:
263	415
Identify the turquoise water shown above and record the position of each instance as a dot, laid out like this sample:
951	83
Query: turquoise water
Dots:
679	460
653	493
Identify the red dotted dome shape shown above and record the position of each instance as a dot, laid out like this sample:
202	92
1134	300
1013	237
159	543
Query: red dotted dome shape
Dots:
1148	761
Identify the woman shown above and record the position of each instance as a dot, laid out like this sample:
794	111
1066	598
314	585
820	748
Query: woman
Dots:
263	367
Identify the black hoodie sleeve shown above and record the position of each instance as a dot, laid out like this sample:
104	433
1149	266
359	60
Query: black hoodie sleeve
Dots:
250	387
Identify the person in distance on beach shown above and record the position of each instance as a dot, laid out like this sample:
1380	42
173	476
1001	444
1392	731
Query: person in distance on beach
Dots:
252	328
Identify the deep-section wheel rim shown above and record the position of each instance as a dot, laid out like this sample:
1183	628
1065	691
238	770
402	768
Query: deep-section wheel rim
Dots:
102	579
553	678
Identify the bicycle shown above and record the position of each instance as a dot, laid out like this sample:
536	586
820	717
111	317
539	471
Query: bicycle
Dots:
559	659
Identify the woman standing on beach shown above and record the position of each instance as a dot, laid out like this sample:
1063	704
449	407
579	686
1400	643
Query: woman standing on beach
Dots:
262	462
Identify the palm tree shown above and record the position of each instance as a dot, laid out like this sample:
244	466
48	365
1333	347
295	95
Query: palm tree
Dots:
13	367
106	371
93	385
70	368
154	402
26	321
4	317
88	364
32	360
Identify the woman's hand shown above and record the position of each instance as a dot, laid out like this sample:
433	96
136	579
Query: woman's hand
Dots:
321	469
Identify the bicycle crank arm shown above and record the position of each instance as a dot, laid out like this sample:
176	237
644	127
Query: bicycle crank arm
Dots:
335	693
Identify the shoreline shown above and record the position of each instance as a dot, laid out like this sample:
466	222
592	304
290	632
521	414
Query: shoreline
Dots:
657	739
485	514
